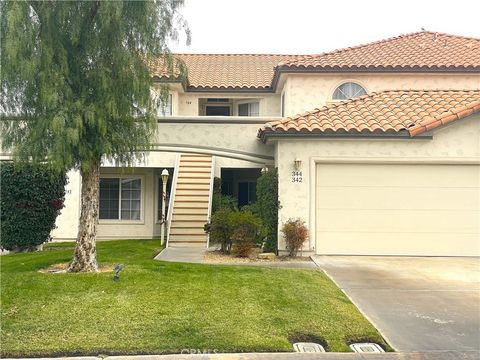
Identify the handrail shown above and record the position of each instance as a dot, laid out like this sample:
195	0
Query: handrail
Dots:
173	190
210	196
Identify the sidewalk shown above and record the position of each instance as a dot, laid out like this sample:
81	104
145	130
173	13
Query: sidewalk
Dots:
435	355
195	255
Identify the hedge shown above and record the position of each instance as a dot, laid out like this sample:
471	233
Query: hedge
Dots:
31	200
267	206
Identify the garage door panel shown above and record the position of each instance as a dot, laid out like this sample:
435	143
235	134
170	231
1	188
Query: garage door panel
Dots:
398	209
409	221
384	197
402	175
431	244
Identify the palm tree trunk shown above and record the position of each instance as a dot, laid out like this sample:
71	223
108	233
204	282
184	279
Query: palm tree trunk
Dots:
85	255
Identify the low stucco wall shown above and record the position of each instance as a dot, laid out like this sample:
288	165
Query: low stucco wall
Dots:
457	143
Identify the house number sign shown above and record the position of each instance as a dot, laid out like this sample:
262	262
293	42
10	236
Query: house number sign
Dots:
297	177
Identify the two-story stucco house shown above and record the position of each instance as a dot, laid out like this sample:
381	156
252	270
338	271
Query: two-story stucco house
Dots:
377	148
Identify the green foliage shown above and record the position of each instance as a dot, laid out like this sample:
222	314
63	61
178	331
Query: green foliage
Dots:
76	74
296	233
220	201
221	230
31	200
237	230
267	206
248	231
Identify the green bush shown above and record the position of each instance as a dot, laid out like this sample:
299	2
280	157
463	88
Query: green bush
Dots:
296	233
220	201
267	206
220	229
248	231
31	199
237	230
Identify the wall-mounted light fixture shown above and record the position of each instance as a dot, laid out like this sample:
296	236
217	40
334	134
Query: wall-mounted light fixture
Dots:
297	163
264	170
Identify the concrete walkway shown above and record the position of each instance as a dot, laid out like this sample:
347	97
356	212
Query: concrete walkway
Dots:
417	303
195	255
438	355
182	254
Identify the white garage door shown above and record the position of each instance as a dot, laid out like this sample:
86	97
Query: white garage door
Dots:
365	209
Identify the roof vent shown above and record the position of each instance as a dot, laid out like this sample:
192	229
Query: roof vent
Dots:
366	348
304	347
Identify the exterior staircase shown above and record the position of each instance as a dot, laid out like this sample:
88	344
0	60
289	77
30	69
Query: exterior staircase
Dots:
191	201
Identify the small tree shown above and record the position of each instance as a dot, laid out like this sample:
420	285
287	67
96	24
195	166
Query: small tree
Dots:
267	206
75	75
296	233
31	199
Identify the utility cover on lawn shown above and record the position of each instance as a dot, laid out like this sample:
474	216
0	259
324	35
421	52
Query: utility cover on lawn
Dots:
366	348
308	347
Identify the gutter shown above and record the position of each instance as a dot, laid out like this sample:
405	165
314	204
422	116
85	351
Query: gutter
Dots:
403	135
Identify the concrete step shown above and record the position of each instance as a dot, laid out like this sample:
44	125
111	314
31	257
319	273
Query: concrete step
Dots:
202	244
180	230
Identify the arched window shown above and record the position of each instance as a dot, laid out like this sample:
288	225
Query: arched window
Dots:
348	90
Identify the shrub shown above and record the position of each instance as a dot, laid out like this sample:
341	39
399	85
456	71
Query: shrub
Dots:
221	230
220	201
267	206
247	232
296	233
240	230
31	200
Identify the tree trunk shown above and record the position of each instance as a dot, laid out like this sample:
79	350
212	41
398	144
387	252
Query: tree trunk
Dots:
85	255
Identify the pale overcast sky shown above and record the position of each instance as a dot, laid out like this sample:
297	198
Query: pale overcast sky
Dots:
309	26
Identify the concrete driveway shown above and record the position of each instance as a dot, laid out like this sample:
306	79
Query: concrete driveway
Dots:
417	303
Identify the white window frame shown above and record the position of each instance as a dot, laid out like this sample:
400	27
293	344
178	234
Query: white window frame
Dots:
119	221
359	83
249	102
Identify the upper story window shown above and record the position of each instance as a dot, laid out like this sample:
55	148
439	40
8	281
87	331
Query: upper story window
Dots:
164	108
348	90
282	105
249	109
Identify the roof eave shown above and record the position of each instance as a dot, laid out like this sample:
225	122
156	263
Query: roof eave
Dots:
285	69
265	135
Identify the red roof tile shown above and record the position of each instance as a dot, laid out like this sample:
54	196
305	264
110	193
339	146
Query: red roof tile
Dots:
225	71
413	111
421	50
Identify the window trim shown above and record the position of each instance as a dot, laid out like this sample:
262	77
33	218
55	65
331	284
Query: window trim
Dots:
142	201
345	81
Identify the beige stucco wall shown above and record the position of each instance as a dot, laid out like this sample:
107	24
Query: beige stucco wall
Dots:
67	221
457	143
305	92
147	226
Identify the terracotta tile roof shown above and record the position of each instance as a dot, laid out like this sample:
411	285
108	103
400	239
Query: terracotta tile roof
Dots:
387	112
416	51
225	71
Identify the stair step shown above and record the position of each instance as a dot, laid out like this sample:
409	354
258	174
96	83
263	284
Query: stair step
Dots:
196	158
195	231
189	175
188	223
196	170
187	244
190	211
203	184
193	181
189	217
188	237
191	197
195	165
192	192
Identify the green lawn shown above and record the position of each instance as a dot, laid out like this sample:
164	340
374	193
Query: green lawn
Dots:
159	307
